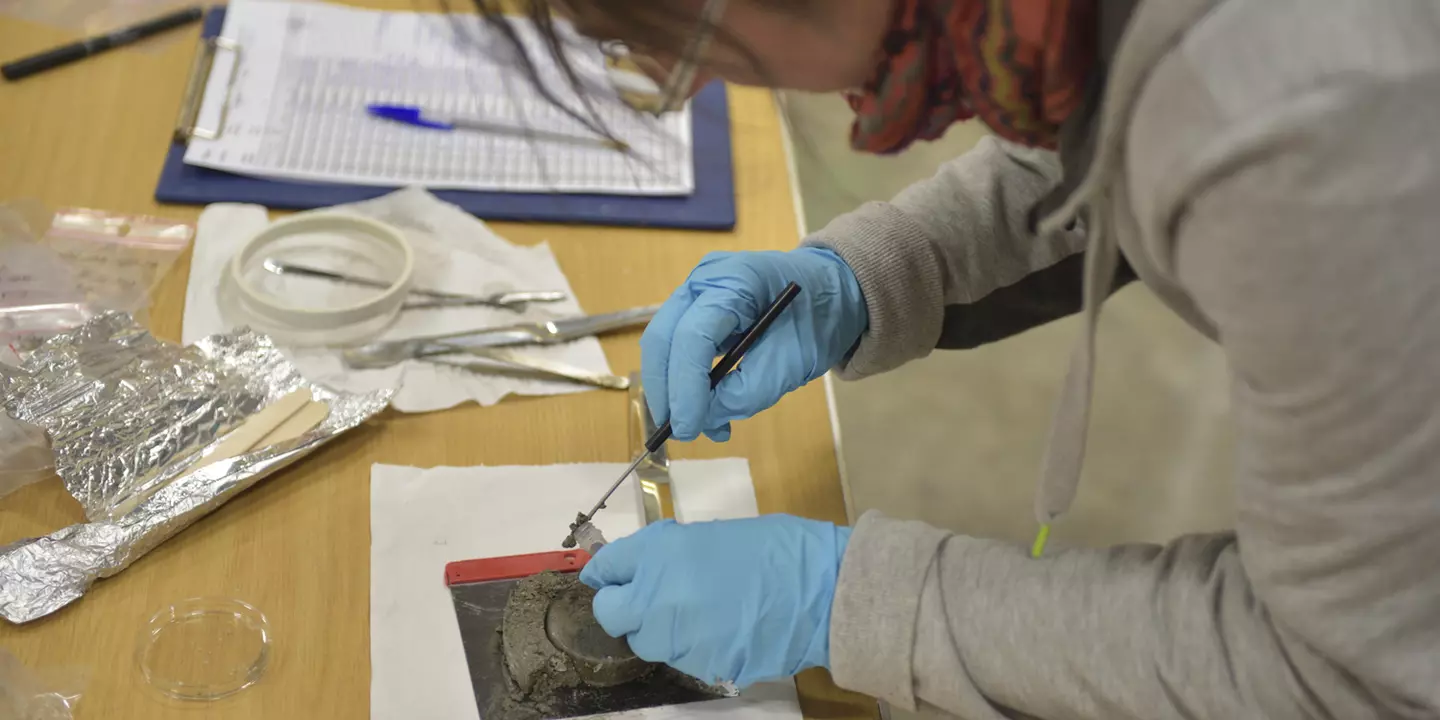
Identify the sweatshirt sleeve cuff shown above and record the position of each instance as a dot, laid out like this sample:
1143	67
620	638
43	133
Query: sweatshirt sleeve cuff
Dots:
900	275
877	601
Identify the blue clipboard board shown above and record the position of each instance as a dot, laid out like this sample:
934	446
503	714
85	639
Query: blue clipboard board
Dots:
711	207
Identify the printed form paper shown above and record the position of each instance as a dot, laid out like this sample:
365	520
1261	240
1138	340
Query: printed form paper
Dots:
291	104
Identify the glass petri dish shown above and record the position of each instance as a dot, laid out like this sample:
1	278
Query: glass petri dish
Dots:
204	648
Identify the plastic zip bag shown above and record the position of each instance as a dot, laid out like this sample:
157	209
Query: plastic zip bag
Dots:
116	260
25	455
26	695
31	277
38	295
87	262
38	298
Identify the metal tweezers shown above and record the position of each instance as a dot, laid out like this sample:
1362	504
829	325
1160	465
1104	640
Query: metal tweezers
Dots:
552	332
490	358
515	301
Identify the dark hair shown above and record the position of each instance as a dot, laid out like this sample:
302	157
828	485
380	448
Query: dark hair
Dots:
655	25
647	26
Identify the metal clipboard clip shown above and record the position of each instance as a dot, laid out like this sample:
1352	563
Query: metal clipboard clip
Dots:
194	99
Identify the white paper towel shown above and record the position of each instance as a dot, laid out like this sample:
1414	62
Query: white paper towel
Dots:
454	252
422	519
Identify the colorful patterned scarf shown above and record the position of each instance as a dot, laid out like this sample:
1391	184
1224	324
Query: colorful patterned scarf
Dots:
1021	66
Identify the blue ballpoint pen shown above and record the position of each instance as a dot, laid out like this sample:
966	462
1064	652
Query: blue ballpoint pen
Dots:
416	117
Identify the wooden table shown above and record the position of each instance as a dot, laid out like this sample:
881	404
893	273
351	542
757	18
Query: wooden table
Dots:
297	546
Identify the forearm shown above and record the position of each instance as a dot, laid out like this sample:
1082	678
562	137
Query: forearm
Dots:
953	262
1126	632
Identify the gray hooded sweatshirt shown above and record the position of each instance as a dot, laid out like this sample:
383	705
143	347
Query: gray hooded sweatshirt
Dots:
1271	170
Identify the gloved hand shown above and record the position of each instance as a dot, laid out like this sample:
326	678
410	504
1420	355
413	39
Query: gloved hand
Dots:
723	297
737	600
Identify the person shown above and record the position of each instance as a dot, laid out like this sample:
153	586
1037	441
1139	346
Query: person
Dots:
1268	168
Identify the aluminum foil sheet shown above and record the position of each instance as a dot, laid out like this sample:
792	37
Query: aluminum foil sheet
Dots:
128	414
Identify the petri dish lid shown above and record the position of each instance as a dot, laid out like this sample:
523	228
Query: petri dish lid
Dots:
204	648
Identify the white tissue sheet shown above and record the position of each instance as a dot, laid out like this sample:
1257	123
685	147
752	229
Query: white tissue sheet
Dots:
421	519
454	252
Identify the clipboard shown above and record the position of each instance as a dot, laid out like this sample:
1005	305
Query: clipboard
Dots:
710	207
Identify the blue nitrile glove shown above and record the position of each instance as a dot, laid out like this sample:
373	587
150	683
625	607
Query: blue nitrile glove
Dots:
736	600
723	297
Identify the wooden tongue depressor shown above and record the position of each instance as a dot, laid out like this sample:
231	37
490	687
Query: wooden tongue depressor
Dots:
285	419
307	418
256	428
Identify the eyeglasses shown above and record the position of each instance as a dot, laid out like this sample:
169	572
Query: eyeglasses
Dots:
637	87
